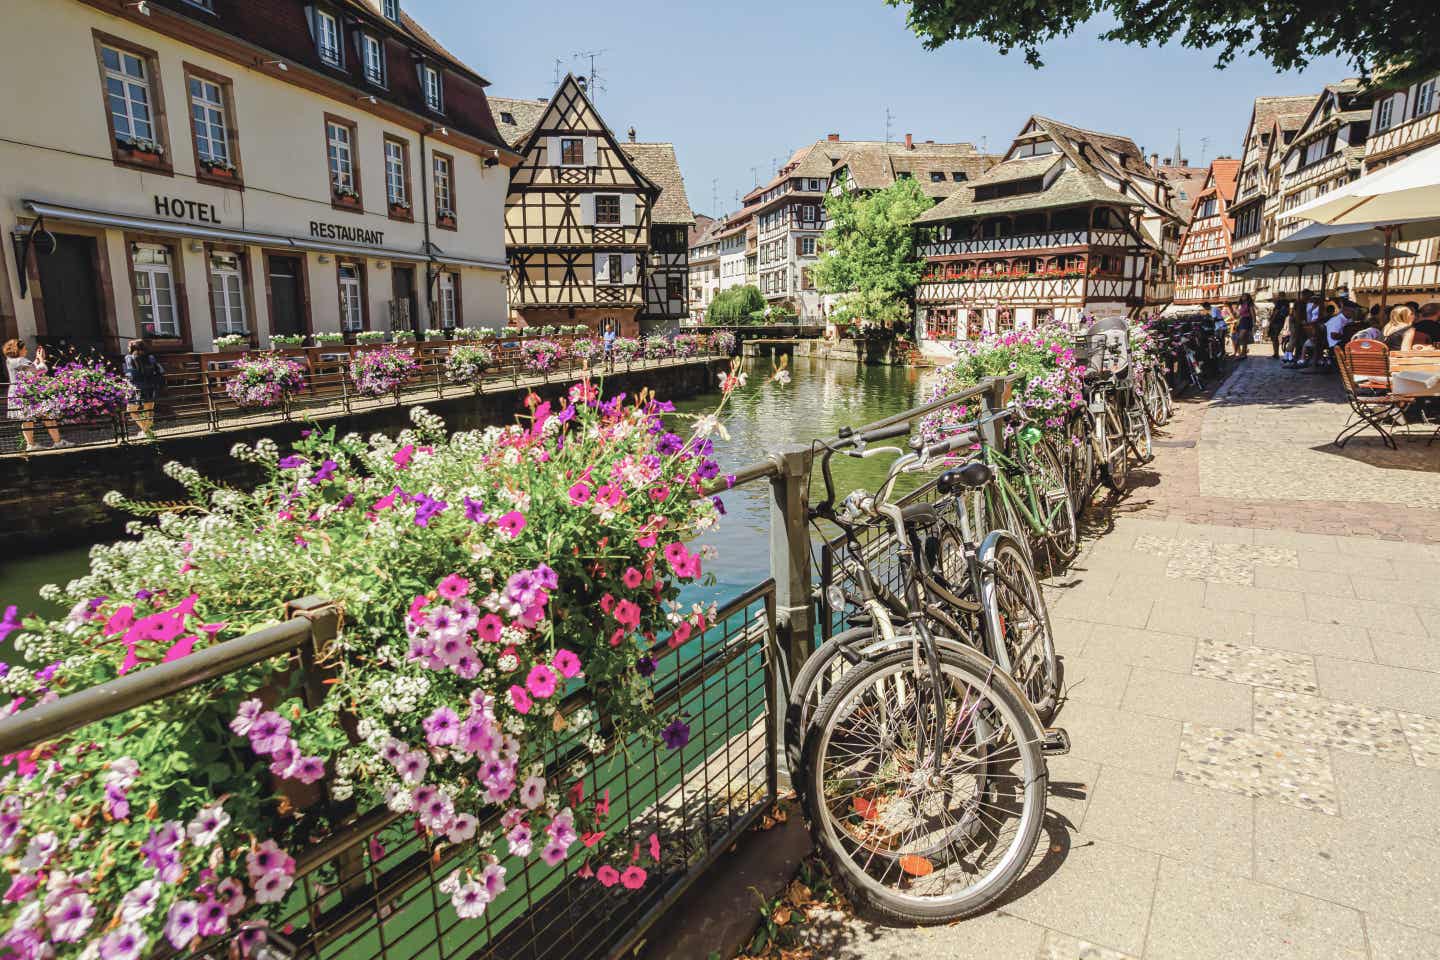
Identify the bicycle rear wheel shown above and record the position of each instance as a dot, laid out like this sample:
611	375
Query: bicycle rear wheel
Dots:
1053	498
1018	624
1115	469
908	841
1137	427
1080	463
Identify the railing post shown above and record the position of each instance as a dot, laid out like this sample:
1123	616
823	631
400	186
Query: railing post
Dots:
790	553
324	618
992	400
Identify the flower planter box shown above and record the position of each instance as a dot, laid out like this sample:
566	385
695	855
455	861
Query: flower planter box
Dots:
400	212
445	220
220	173
345	200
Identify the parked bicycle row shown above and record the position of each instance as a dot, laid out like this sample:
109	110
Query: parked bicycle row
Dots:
917	734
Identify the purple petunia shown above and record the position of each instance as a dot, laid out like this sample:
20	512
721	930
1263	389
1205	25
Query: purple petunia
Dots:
182	923
676	735
291	462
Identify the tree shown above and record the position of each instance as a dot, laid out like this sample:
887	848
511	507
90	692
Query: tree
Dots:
868	252
1391	39
735	305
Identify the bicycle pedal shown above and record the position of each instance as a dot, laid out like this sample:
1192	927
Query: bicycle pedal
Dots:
1055	742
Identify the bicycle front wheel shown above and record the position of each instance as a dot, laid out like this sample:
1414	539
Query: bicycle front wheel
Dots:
912	842
1116	461
1053	500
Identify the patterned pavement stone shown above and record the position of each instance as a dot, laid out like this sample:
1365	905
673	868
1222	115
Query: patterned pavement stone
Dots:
1257	666
1330	723
1423	735
1058	946
1256	766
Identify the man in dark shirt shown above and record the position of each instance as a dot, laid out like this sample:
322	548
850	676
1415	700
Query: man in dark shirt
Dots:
1428	325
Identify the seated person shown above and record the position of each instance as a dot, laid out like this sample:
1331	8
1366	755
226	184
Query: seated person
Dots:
1427	328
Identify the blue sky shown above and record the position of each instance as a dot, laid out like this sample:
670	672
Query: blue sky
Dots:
736	84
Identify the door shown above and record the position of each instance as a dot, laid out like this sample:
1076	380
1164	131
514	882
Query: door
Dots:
287	299
70	291
403	312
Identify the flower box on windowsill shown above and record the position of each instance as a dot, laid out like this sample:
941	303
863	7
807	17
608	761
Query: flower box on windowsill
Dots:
445	218
400	210
220	171
346	198
141	151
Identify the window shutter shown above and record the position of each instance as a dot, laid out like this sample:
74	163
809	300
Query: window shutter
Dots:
627	209
602	268
587	209
552	151
591	152
799	249
628	263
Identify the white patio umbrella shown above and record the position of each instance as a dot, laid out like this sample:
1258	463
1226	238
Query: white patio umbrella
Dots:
1404	192
1328	259
1318	236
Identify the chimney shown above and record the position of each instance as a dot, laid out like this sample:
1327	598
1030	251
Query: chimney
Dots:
833	137
909	141
631	132
1155	160
929	141
1185	162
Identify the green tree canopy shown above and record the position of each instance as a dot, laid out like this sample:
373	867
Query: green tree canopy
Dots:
735	305
868	252
1393	39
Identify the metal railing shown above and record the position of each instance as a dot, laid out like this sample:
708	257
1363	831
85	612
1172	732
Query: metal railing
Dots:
371	889
194	399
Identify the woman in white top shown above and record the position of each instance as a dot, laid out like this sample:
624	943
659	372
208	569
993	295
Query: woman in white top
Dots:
17	364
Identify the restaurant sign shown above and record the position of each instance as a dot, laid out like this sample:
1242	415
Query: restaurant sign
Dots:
336	231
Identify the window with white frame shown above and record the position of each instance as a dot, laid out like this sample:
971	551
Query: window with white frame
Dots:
395	173
430	81
208	117
444	189
807	246
352	314
1425	98
227	293
342	157
392	10
127	87
1316	151
1385	114
327	37
448	315
155	291
374	59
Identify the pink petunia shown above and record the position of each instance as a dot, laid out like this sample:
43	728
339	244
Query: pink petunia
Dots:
632	578
655	848
608	876
633	878
627	614
489	628
511	524
181	648
579	494
540	681
681	634
566	663
520	700
404	455
453	587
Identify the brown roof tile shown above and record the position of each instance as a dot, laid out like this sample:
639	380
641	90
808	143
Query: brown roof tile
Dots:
516	119
657	162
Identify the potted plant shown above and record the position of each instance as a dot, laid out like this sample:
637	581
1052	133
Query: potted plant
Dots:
223	169
232	341
400	208
370	336
345	196
445	217
280	341
264	382
143	151
467	333
467	364
382	371
438	334
327	338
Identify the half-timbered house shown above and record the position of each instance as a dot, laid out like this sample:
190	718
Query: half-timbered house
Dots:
583	218
1202	268
1274	121
1069	222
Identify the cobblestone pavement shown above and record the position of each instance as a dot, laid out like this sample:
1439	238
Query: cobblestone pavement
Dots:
1254	704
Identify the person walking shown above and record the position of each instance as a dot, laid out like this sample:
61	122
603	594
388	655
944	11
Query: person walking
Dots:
609	338
18	365
146	375
1244	325
1279	317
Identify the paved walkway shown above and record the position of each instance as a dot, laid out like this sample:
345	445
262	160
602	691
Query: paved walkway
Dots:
1254	707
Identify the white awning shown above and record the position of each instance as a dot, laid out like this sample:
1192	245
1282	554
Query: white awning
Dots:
172	228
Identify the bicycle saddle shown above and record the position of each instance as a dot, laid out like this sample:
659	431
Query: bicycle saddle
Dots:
971	476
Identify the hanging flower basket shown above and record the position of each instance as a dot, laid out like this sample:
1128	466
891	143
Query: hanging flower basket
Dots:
265	382
381	371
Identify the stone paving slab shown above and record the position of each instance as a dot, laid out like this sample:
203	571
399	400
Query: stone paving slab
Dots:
1257	766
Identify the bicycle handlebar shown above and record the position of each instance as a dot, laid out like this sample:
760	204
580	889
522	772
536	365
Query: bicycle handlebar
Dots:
961	441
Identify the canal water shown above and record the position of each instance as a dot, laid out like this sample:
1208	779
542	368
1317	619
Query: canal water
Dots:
822	397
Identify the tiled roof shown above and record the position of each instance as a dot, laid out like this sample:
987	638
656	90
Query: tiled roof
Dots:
1020	168
1071	188
701	230
1226	172
1270	110
418	33
658	164
523	117
874	163
1187	182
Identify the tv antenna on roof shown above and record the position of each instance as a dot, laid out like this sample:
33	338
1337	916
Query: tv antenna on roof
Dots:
558	63
888	117
1204	149
715	195
594	84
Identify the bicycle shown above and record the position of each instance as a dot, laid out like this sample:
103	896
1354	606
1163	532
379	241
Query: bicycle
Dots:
923	767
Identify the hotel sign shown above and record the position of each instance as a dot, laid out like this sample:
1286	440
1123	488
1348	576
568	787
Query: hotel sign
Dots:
178	208
336	231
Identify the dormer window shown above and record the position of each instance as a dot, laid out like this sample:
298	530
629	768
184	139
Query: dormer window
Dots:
958	176
507	117
430	83
937	176
374	58
392	10
327	37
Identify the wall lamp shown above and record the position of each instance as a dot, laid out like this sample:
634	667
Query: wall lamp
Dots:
280	65
141	7
367	98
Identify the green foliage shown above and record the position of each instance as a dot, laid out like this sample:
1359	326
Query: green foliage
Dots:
736	305
868	253
1389	38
